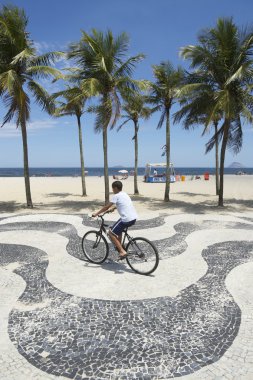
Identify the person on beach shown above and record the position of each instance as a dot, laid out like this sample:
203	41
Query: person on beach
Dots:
126	210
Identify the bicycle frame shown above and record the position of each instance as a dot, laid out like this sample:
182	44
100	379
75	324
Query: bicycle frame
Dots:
103	230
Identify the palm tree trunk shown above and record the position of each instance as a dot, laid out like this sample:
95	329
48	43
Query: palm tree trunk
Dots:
106	178
222	160
167	186
84	194
26	166
136	191
217	159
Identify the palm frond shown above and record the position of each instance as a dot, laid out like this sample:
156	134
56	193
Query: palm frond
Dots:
90	87
10	81
41	96
13	22
18	107
103	115
216	137
235	137
116	105
47	58
61	111
44	72
242	71
121	125
23	56
161	120
120	45
12	106
127	67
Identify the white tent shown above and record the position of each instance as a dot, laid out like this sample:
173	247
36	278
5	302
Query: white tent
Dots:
163	165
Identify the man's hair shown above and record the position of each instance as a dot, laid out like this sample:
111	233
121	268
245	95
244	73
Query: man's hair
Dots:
118	185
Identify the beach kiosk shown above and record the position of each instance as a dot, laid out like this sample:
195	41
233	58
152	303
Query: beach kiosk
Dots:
156	173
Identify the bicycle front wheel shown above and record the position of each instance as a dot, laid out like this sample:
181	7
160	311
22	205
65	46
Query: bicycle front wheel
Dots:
142	256
95	247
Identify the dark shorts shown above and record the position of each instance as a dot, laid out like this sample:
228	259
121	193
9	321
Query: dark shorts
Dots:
119	227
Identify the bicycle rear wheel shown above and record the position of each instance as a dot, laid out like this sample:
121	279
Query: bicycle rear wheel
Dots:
95	247
142	256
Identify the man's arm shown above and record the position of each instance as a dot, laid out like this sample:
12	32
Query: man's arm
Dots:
103	209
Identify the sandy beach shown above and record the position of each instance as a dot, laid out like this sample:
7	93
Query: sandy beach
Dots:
62	194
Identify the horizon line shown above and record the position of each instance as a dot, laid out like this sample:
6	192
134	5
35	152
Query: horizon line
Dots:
113	167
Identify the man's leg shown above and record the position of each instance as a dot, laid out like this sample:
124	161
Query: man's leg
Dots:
120	238
117	241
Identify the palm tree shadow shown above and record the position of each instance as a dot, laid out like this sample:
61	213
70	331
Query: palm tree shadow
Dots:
151	204
194	194
61	195
12	206
72	205
69	205
230	204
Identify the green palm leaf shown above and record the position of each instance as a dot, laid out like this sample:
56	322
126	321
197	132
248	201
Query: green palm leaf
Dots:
47	58
41	96
44	72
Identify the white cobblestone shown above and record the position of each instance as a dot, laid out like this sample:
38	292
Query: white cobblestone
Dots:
236	363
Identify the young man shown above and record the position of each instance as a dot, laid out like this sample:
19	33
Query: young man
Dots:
126	210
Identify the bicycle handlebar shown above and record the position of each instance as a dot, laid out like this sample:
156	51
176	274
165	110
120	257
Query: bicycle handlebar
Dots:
102	215
106	212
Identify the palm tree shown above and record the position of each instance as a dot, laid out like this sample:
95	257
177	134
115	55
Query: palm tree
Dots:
19	66
163	96
217	178
225	53
195	98
73	106
135	109
105	71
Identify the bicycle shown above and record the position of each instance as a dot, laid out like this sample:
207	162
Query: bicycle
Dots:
142	255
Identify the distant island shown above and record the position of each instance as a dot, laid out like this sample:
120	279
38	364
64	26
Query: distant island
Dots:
236	165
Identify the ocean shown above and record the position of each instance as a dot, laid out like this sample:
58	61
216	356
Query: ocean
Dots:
97	172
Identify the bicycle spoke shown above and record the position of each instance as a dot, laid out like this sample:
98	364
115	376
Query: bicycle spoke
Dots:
142	256
95	247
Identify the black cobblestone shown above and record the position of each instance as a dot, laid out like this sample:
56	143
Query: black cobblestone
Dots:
165	337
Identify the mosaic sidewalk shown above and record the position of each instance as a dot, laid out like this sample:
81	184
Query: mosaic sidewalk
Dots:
64	318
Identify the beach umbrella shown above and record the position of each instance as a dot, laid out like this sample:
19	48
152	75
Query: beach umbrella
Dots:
123	171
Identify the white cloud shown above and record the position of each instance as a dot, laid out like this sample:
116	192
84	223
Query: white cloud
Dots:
44	46
41	47
10	130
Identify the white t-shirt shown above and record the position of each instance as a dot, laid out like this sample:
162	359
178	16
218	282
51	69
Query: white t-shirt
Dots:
124	206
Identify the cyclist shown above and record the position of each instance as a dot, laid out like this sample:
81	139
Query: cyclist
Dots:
126	210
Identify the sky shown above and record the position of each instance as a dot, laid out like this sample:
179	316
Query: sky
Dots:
156	28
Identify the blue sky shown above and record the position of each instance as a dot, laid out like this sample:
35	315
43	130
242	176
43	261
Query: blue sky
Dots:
156	28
